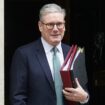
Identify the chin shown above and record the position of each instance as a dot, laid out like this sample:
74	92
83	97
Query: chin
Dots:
56	42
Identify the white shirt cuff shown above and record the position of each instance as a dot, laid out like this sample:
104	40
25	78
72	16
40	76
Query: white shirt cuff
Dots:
85	101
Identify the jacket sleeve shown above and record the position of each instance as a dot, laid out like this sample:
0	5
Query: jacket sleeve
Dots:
81	73
18	79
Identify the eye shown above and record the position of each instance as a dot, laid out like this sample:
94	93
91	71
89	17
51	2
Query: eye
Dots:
50	24
59	24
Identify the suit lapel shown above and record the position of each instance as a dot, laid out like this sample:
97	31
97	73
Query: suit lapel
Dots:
44	63
65	50
40	53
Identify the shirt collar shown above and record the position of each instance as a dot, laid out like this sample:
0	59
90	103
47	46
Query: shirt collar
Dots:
48	47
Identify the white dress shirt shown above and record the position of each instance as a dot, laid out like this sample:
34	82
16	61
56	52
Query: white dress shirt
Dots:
49	54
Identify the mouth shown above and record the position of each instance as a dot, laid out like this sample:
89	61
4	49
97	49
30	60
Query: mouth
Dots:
55	35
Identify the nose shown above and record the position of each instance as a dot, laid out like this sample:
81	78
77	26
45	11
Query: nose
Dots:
55	27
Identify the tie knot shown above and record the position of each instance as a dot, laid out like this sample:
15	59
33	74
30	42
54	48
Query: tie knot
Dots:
55	49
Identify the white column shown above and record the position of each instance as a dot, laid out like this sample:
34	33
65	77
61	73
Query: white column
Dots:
1	52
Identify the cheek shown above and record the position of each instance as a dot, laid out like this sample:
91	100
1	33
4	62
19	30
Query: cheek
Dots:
46	35
63	31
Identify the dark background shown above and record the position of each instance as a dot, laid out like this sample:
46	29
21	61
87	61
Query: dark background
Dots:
85	26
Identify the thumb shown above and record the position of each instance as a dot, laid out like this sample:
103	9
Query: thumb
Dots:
77	82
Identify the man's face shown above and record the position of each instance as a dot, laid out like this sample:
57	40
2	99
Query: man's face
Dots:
52	28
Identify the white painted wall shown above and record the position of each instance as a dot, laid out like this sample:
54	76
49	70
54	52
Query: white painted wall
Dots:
1	52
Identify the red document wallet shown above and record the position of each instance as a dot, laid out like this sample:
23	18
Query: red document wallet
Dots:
68	78
67	75
66	72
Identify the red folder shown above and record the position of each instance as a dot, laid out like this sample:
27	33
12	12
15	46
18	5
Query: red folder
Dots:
68	56
68	78
72	56
67	75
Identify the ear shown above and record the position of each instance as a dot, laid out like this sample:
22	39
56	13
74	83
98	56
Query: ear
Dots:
64	29
40	25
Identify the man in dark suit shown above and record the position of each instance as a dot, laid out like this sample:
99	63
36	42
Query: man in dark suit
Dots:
32	74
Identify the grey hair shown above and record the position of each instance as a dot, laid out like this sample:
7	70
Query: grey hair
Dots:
51	8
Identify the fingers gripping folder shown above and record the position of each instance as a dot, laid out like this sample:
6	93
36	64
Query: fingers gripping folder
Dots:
67	72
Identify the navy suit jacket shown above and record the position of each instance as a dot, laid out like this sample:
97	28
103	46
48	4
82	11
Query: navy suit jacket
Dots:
31	82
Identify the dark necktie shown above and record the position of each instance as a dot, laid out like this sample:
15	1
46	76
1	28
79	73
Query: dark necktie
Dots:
57	77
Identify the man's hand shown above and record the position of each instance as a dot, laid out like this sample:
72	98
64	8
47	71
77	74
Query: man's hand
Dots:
77	94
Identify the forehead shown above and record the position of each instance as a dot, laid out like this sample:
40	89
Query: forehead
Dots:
53	17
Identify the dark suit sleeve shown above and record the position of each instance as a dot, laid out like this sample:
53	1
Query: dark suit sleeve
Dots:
18	79
80	71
